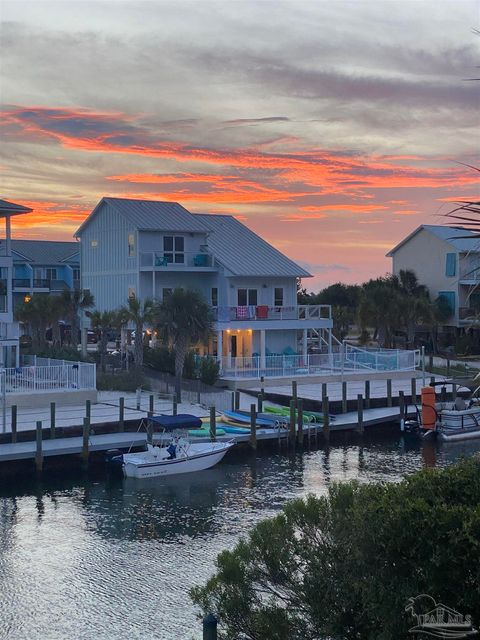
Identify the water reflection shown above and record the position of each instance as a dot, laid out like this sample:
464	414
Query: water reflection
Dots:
77	552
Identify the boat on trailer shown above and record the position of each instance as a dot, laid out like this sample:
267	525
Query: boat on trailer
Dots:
172	453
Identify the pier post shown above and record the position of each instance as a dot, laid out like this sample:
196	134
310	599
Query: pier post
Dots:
86	435
326	418
233	400
237	401
443	394
262	382
52	420
138	397
414	391
360	428
121	413
324	390
432	381
213	424
294	390
291	435
389	392
253	427
210	627
88	409
448	367
174	405
38	451
401	405
151	405
199	399
454	392
14	422
367	394
344	397
260	402
300	421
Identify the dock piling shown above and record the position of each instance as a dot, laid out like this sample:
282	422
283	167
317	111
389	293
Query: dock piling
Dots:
174	405
294	390
253	427
86	435
121	413
324	390
52	420
233	401
199	399
344	397
300	421
432	381
88	409
260	402
14	422
138	397
454	392
360	427
151	405
262	384
414	391
389	392
367	394
39	452
291	435
237	401
326	418
401	405
213	424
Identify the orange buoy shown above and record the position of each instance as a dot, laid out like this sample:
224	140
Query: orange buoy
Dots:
429	413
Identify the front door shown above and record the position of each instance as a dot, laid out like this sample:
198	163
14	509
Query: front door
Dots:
233	346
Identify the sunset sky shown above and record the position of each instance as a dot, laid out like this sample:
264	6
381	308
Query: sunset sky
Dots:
332	129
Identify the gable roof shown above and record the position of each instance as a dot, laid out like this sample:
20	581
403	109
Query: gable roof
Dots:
243	252
12	209
45	252
149	215
454	236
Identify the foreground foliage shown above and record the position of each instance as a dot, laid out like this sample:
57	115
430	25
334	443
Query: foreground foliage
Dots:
344	565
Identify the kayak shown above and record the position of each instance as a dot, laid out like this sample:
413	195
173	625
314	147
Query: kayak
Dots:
238	417
228	428
308	416
204	433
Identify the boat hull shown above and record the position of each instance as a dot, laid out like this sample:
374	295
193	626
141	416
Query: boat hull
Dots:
459	425
138	468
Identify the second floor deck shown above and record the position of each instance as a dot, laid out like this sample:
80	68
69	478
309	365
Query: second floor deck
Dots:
321	314
177	261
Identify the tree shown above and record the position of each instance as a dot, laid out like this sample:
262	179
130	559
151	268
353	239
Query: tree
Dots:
183	319
379	307
346	565
38	314
103	322
140	314
416	306
74	301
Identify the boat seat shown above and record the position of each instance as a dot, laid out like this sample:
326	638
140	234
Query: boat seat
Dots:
460	404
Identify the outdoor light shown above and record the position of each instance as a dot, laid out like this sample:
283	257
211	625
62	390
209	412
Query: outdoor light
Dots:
27	298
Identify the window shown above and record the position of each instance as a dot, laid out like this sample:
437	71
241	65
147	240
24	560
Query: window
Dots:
450	264
278	297
131	245
214	297
76	274
449	296
247	297
173	249
51	274
166	293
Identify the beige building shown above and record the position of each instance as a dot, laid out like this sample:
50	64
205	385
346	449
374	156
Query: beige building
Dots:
447	261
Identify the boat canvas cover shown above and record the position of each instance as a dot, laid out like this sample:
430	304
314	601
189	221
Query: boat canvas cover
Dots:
182	421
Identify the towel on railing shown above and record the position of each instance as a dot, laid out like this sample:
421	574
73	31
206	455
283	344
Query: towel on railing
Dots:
262	311
242	313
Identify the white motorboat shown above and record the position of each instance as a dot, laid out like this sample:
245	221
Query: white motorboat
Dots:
456	424
180	456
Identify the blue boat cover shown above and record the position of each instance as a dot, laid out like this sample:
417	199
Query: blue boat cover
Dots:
182	421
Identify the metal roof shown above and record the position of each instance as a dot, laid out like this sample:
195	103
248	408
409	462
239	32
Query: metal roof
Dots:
12	209
45	252
243	252
455	236
150	215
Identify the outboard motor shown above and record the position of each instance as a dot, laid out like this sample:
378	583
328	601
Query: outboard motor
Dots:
114	457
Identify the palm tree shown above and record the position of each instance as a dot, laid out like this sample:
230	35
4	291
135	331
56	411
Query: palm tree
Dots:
183	318
416	305
40	313
379	307
140	314
73	302
103	322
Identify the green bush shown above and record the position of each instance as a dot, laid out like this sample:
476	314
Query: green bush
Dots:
209	370
123	381
160	358
345	565
190	366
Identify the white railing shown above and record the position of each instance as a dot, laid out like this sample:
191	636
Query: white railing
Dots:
265	312
341	360
57	375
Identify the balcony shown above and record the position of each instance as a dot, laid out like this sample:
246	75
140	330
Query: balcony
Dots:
25	284
467	315
177	261
265	313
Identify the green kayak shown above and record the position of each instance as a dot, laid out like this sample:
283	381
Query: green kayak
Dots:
204	433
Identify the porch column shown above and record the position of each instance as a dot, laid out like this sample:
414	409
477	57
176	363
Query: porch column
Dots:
263	362
219	346
304	343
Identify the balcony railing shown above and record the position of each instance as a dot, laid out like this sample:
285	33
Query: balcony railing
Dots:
264	312
469	314
41	283
21	283
176	260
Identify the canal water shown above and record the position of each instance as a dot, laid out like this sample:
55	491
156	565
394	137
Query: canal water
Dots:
103	558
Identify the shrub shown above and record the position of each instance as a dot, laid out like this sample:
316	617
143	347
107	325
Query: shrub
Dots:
190	366
209	370
160	358
123	381
345	565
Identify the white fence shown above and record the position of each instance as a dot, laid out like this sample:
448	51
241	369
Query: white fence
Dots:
344	359
46	374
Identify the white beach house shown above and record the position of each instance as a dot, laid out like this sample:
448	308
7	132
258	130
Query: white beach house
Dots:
148	248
